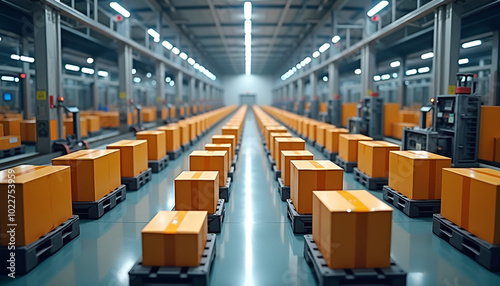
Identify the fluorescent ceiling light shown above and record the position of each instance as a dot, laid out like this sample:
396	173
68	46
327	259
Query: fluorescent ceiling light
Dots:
183	56
294	69
426	56
15	57
395	75
137	79
149	75
175	50
376	78
196	66
471	44
385	76
381	5
119	8
72	67
87	70
167	45
463	61
27	59
191	61
168	79
8	78
102	73
325	78
411	72
316	54
134	71
0	38
248	39
357	71
298	66
172	83
324	47
154	34
90	60
335	39
202	69
248	26
307	60
424	70
395	64
247	10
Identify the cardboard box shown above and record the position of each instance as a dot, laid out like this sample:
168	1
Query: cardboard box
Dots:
175	238
94	173
156	143
391	116
192	128
352	229
273	129
286	157
332	138
184	132
232	130
8	142
133	156
309	176
226	139
348	110
397	129
28	131
496	150
373	157
93	123
282	144
197	191
470	200
321	133
1	130
348	146
272	137
172	137
68	124
11	126
221	147
417	174
305	127
210	161
43	201
490	116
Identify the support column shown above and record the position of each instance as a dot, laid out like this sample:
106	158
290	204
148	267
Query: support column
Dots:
333	80
125	81
300	88
48	75
367	69
26	86
178	87
494	98
447	24
95	87
160	87
401	82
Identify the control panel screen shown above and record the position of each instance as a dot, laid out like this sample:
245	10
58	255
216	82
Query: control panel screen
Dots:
7	96
448	105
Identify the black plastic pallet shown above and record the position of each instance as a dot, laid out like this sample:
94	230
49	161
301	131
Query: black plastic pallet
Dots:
302	137
267	151
141	275
483	252
31	255
369	182
13	151
301	223
215	220
94	133
95	210
157	166
174	154
277	173
225	191
310	141
347	166
319	147
186	146
393	275
411	208
271	161
230	174
238	148
332	156
235	160
283	190
135	183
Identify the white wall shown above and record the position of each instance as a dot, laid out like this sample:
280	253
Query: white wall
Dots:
260	85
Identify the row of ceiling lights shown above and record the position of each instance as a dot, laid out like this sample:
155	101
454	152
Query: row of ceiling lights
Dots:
156	37
247	12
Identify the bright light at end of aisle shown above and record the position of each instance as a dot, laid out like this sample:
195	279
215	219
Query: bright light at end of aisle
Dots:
119	8
247	10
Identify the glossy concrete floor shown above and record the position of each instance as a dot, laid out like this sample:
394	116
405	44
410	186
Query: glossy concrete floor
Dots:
256	246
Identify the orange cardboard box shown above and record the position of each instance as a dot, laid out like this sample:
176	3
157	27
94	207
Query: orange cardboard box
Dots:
348	110
332	138
175	238
1	130
36	188
417	174
273	129
496	150
352	229
373	157
391	116
192	128
172	137
11	126
309	176
133	156
184	132
305	127
197	191
273	136
288	144
470	200
68	124
28	131
8	142
210	161
321	133
94	173
232	130
348	146
226	139
93	123
221	147
156	143
313	127
286	157
397	129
